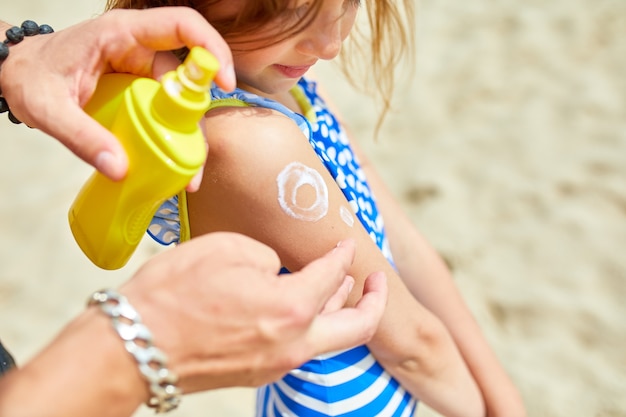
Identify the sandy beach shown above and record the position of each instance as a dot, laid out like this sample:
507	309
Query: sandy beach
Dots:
507	147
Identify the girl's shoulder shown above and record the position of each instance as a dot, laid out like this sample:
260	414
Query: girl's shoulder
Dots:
252	131
244	126
260	164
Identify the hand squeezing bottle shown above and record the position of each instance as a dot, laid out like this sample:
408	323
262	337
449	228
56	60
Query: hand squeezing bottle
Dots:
157	124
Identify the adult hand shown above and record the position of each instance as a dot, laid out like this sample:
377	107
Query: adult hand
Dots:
219	309
47	79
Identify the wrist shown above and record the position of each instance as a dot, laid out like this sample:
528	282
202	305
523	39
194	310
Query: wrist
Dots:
87	358
165	395
115	376
3	28
13	36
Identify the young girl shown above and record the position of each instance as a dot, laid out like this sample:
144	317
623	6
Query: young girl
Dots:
282	170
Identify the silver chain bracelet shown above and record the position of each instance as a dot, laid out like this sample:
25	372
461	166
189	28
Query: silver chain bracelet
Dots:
165	395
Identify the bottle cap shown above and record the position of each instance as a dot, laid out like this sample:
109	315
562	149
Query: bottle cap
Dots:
184	97
198	70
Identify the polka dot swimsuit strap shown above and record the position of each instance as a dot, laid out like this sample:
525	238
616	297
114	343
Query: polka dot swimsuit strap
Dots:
331	144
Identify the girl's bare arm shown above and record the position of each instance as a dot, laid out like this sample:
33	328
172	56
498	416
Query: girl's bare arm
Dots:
430	281
249	150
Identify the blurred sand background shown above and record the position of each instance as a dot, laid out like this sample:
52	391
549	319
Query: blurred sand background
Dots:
508	149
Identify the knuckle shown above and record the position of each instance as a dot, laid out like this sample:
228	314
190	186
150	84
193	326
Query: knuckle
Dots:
292	359
368	333
300	314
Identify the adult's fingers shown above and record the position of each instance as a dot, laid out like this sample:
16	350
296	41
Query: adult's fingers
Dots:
85	137
194	184
339	298
320	279
233	249
349	327
166	28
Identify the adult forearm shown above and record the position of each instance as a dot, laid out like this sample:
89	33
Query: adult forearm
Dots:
85	371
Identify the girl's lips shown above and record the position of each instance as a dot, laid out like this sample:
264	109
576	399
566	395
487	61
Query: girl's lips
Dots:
292	72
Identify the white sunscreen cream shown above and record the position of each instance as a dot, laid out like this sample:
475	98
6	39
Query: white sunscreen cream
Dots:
295	197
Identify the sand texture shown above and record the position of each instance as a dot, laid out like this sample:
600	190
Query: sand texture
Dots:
507	147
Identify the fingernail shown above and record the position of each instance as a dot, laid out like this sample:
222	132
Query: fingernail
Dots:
229	71
108	165
351	284
346	242
194	184
337	246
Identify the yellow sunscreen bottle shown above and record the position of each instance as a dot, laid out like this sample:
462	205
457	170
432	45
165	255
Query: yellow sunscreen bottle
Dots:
157	123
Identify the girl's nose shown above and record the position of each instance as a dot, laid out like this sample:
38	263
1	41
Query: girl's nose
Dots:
322	39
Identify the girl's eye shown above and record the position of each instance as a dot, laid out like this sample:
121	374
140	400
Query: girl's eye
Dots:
301	10
347	4
297	8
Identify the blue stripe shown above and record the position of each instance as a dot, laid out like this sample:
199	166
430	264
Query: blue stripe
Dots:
379	403
407	401
339	362
373	408
262	398
294	407
278	413
336	392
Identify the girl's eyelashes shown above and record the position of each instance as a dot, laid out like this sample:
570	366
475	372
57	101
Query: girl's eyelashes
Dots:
301	10
298	9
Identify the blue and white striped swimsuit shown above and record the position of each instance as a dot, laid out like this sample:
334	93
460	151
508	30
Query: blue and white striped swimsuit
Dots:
348	383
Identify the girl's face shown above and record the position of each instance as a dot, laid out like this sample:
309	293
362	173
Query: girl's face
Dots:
271	70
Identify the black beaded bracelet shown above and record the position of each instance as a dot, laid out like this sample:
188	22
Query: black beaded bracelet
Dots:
16	35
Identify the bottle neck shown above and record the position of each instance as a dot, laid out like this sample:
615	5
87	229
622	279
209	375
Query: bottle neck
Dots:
179	107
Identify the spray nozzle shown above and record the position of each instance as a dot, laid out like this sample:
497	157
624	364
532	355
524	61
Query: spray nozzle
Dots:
198	70
184	96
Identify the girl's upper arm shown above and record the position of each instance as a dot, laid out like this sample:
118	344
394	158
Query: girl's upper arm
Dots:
263	179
